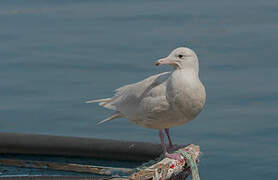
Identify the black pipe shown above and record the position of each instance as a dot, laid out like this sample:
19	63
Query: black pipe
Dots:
56	178
33	144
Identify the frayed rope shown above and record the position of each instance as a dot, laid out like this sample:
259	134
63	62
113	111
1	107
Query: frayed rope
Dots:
191	162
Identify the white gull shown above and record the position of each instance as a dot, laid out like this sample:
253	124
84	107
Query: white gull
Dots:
164	100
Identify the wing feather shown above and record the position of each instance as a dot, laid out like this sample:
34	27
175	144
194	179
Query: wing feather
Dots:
130	95
127	99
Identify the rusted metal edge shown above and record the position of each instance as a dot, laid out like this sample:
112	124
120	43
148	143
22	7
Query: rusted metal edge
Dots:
100	170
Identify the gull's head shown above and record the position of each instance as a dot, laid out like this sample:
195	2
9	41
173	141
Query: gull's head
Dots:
180	58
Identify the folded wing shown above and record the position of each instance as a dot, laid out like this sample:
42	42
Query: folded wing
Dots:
146	95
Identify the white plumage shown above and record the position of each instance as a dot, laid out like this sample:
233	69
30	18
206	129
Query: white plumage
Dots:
163	100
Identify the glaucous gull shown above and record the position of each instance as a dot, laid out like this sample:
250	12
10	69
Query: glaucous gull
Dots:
164	100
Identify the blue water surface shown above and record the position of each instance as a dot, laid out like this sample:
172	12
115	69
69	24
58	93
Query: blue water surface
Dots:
55	55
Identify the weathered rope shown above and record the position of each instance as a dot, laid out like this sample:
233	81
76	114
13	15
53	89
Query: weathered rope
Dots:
191	161
188	155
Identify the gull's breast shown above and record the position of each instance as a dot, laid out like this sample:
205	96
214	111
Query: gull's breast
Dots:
186	94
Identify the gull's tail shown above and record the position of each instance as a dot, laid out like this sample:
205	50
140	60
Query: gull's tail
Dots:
105	103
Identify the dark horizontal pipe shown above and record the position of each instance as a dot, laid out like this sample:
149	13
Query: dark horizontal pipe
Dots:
56	178
33	144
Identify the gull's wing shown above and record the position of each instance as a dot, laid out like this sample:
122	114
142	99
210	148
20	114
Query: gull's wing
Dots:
148	93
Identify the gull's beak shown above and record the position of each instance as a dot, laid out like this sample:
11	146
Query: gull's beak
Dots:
163	61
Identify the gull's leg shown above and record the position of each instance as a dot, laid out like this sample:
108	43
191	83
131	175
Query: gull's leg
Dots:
162	141
175	156
169	138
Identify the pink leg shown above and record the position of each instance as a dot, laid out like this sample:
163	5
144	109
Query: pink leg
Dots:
175	156
162	141
169	138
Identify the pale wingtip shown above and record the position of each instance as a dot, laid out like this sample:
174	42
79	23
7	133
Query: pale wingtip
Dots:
103	121
100	122
115	115
91	101
98	100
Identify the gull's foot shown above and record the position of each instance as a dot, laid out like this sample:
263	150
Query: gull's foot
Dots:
172	148
175	156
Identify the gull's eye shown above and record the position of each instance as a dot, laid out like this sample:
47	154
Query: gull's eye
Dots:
180	56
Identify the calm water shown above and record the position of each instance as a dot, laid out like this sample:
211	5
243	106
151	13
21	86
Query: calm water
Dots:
55	55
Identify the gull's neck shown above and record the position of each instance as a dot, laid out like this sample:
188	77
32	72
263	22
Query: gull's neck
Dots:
192	71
